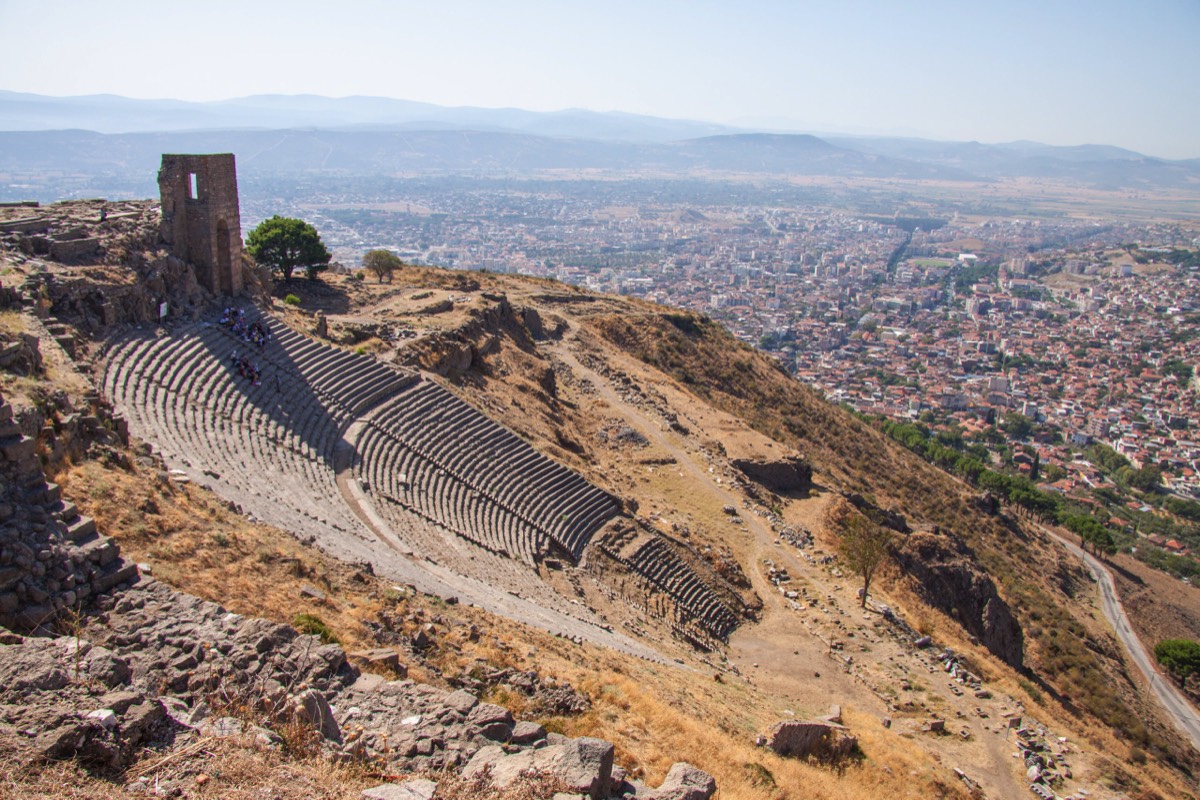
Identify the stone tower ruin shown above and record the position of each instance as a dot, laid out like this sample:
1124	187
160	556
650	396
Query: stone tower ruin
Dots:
201	221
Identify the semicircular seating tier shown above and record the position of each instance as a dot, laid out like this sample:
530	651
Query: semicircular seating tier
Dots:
377	464
430	463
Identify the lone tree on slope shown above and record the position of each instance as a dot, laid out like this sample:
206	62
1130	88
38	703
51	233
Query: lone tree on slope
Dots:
381	263
284	243
864	546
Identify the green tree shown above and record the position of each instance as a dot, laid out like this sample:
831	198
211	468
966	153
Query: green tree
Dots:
1106	458
381	263
1180	657
285	244
1018	426
1091	531
1146	479
864	546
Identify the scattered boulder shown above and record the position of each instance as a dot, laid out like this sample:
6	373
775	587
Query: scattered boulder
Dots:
684	782
312	708
583	765
804	738
527	733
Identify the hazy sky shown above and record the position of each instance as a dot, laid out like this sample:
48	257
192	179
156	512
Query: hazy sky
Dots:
1084	71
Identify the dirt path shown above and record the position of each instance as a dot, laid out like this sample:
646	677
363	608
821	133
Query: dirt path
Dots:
650	427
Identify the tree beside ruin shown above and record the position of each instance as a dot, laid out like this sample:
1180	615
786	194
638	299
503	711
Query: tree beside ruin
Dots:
863	547
381	263
286	244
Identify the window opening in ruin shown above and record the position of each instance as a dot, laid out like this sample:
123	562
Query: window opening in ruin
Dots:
193	187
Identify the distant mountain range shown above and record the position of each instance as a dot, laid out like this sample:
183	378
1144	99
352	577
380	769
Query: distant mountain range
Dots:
106	113
111	135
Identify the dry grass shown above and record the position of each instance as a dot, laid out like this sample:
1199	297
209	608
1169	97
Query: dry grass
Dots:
232	768
193	541
654	714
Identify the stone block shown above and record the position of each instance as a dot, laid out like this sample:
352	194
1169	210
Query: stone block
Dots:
583	765
685	782
461	701
20	450
381	658
411	789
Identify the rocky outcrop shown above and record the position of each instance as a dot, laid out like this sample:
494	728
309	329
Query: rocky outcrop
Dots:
949	578
782	475
542	327
888	518
71	699
151	664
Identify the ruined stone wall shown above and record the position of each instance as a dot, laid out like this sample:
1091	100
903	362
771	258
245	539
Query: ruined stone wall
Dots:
201	219
51	558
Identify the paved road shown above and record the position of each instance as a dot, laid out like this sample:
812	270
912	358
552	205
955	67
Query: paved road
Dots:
1172	700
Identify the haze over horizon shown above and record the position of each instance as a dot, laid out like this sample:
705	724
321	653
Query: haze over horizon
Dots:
1057	72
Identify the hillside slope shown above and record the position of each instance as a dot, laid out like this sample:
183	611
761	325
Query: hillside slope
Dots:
676	422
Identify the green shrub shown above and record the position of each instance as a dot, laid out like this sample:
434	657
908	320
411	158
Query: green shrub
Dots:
292	300
1180	657
312	624
758	775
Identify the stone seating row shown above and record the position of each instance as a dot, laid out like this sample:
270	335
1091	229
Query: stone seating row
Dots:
433	423
465	474
655	561
271	450
398	474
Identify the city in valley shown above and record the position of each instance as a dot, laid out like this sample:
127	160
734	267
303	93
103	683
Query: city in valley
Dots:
1029	332
1039	328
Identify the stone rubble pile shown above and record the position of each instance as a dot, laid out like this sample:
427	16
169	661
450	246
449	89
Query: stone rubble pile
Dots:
544	696
800	538
51	557
953	665
1046	765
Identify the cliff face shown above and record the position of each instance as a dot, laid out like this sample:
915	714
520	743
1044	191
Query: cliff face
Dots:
950	579
783	475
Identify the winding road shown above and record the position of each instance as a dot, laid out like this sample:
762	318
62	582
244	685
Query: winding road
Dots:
1170	698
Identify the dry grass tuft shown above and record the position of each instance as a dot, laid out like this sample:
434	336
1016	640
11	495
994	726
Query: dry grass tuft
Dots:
529	786
234	769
